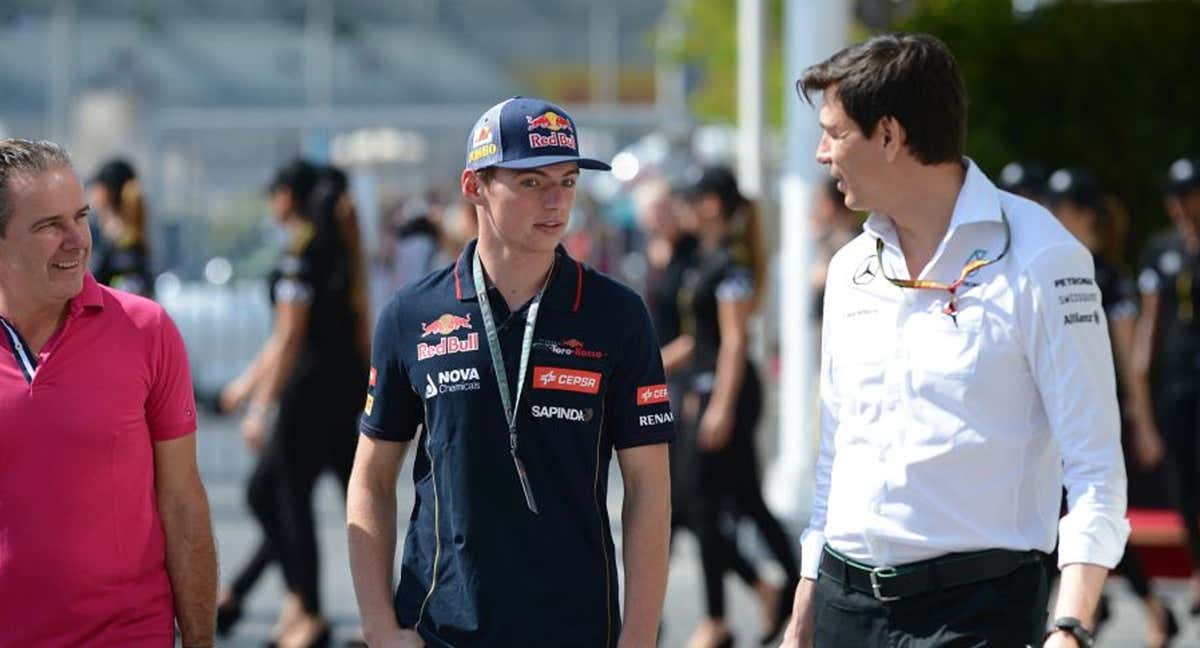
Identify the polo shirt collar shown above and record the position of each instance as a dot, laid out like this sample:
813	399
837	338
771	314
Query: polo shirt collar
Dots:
90	298
978	202
565	291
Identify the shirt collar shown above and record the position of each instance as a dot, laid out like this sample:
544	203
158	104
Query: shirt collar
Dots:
978	202
91	297
565	291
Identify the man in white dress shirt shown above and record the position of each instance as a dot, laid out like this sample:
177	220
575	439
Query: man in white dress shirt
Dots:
966	377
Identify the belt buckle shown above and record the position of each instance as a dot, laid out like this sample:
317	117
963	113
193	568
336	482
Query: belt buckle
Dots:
875	574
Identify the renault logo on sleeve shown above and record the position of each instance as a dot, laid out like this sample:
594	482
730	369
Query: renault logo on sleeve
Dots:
866	271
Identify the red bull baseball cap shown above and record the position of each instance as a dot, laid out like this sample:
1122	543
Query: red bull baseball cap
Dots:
526	133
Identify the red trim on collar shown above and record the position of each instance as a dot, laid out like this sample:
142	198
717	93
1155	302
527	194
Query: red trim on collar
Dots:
457	283
578	286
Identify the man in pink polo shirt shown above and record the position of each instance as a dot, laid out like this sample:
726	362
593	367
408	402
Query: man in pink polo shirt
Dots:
105	538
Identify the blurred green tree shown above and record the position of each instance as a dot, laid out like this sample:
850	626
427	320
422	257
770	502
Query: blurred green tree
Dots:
1110	86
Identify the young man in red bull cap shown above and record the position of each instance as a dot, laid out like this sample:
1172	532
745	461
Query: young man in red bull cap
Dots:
509	542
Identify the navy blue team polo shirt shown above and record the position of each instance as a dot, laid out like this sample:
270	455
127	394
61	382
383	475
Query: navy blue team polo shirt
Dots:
479	568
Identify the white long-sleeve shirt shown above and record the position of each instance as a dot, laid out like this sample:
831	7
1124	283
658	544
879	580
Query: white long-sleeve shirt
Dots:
941	437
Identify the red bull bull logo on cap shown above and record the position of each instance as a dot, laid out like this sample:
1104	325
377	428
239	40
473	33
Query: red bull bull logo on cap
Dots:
558	127
550	121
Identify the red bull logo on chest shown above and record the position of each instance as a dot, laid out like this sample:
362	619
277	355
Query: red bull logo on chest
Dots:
446	324
448	346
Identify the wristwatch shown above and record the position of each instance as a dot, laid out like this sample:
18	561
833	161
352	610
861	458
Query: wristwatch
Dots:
1075	628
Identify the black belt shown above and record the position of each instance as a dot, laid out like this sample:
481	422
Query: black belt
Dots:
951	570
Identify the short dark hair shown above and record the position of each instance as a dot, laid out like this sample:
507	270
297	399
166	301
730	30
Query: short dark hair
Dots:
486	175
912	78
20	156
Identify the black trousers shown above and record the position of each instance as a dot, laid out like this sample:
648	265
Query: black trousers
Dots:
724	486
1005	612
1178	413
316	431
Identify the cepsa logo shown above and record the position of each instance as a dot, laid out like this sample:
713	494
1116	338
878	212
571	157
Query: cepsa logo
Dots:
572	380
652	395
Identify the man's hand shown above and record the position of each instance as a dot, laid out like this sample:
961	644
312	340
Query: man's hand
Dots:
1147	444
234	395
799	633
401	638
1061	639
254	429
716	427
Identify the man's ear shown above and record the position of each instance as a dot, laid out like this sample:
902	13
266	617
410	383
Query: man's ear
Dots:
892	136
472	187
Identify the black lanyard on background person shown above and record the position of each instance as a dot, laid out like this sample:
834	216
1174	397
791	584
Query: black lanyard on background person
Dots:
493	338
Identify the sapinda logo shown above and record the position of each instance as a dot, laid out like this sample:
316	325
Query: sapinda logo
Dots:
561	379
562	413
652	395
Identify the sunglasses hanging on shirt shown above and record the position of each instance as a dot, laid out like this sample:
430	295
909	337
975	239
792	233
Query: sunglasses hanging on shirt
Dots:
972	266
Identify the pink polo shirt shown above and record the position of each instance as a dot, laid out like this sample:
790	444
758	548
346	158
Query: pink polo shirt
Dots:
82	552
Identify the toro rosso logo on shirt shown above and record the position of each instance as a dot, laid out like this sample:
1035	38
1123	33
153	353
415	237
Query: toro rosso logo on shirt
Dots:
569	347
562	413
572	380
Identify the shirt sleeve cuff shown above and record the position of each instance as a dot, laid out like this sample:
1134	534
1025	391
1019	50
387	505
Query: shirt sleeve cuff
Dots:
175	431
812	543
1097	541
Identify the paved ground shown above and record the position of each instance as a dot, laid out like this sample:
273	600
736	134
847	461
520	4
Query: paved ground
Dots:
225	464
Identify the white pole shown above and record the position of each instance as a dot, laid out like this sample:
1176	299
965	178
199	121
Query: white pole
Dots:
750	97
814	30
63	54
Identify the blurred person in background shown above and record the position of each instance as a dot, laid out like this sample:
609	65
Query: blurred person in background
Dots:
122	257
1026	179
1167	355
105	536
314	366
724	401
460	225
1076	200
671	249
416	243
835	225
